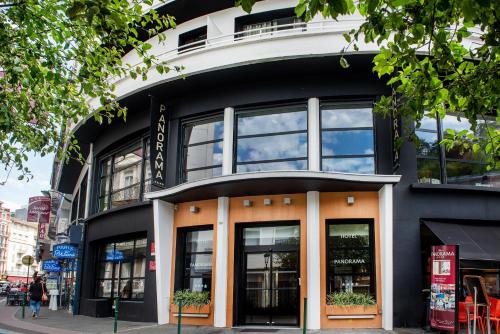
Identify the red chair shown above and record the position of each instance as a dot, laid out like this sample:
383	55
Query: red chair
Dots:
462	316
493	307
495	316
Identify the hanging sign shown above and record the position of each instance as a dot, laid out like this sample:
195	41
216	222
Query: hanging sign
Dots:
158	143
152	265
51	266
443	304
39	209
42	231
396	138
64	251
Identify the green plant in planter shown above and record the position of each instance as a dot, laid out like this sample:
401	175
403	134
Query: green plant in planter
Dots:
349	299
191	298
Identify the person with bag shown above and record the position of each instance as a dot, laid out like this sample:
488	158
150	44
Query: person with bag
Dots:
37	295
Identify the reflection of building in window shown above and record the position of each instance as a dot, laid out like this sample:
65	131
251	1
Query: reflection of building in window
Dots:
193	39
459	165
271	22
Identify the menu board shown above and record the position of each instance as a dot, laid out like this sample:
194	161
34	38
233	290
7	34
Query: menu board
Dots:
444	261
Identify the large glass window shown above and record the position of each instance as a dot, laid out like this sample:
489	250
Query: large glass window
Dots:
121	269
124	176
347	140
268	23
350	257
194	253
194	39
202	149
455	166
271	139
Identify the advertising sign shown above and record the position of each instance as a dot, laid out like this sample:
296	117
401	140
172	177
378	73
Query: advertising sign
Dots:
396	138
51	266
28	260
115	256
39	209
42	231
64	251
158	143
443	304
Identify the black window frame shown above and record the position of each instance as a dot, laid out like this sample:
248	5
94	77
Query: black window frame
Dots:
98	279
183	171
200	39
181	256
347	105
242	111
110	156
330	274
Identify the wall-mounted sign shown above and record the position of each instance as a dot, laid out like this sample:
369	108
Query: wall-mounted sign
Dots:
396	138
39	209
115	256
64	251
42	231
443	304
158	143
51	266
152	265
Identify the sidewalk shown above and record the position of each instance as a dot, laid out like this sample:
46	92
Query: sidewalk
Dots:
61	322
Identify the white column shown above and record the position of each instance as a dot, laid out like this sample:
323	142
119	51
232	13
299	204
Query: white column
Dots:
163	215
90	160
314	142
220	308
313	262
386	255
227	152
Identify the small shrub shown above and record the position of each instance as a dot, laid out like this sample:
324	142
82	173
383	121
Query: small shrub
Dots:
191	298
349	299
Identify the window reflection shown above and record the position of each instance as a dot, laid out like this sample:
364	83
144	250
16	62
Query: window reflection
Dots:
347	141
271	139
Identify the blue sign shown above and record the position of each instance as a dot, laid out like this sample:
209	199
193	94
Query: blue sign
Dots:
115	256
52	266
64	251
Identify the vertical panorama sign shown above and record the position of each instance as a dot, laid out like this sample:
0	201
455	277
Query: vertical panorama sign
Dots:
158	143
396	141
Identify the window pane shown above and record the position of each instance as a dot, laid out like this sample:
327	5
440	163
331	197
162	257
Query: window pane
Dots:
126	249
138	288
428	171
429	145
204	155
273	235
197	133
198	283
106	167
264	166
467	173
346	118
272	147
106	270
198	264
128	157
348	261
140	267
349	165
125	288
428	123
199	241
126	268
347	142
357	284
107	249
104	288
127	177
203	174
125	196
349	235
456	123
271	121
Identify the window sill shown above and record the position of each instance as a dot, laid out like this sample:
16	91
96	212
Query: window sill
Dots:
453	187
119	208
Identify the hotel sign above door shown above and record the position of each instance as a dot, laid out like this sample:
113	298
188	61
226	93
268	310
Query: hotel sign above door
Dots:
158	143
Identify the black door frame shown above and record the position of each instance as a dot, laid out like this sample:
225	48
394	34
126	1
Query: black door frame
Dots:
240	268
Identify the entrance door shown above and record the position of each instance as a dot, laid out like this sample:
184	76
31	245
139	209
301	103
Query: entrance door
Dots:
269	287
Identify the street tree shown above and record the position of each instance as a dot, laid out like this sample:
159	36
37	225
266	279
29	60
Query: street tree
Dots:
55	55
428	64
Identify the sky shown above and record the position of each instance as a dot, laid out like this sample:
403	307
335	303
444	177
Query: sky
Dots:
14	194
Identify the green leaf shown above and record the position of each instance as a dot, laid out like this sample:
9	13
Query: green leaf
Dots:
344	63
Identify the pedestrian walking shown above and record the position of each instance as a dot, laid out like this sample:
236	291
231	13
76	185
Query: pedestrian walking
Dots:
36	291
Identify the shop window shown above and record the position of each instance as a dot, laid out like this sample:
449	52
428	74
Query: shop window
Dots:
271	139
268	23
194	39
347	139
194	259
121	269
350	257
437	165
202	149
124	176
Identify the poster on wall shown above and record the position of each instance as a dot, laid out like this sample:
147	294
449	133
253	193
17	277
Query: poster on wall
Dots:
444	289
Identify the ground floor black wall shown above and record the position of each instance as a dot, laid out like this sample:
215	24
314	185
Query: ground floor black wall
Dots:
105	227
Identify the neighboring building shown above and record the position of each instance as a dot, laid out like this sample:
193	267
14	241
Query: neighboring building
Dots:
22	241
5	219
21	214
280	182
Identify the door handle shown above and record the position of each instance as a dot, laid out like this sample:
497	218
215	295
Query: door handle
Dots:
300	281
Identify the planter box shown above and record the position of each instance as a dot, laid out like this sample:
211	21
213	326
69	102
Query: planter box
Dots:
192	311
351	312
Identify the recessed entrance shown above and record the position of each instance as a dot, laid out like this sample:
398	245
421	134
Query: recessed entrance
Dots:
267	275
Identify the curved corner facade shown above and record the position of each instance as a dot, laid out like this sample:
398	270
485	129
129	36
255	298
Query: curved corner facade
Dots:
263	178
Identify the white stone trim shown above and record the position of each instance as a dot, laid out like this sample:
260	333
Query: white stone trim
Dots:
386	255
227	151
163	215
221	259
295	174
313	262
313	131
90	161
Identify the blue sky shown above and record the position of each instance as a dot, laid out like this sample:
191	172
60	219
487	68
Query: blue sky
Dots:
15	193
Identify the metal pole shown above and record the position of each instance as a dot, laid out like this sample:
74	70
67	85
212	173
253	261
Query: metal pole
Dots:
179	316
115	323
23	295
304	328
